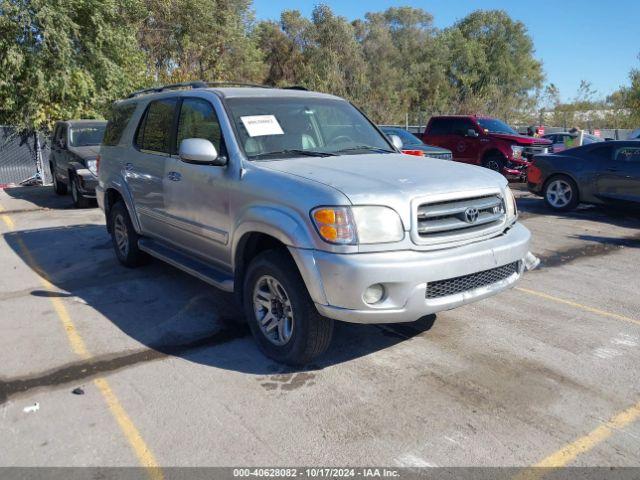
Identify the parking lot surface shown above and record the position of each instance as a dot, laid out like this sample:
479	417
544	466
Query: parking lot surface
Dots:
546	373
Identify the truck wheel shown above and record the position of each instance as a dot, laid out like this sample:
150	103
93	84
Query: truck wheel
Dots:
494	162
58	187
78	200
125	238
282	317
561	193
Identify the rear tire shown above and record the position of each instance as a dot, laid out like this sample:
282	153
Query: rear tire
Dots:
125	238
78	200
495	162
283	320
561	193
58	187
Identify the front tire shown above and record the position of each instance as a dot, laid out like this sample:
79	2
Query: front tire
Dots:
79	201
561	193
495	162
281	315
125	238
58	187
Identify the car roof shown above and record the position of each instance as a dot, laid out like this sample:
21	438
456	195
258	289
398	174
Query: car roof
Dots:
85	122
233	92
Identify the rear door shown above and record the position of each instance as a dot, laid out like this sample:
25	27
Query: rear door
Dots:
619	178
465	147
145	168
196	195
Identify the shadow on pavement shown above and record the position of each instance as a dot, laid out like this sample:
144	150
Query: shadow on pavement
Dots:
170	312
34	198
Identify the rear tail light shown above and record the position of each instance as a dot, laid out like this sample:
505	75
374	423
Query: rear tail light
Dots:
534	174
417	153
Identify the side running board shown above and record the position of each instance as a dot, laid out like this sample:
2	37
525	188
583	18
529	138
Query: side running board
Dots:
187	263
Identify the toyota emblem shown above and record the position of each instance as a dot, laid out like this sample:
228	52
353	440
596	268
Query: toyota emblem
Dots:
471	215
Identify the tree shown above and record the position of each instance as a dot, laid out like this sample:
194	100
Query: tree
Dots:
62	59
491	63
199	39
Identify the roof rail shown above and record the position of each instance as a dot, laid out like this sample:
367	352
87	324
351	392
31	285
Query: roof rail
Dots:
201	84
172	86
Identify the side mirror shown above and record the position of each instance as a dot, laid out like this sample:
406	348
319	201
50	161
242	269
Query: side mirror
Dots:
200	151
397	141
472	133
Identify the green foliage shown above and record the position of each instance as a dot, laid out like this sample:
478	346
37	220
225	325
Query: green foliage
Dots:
62	59
71	58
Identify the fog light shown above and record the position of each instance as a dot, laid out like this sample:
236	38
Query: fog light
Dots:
373	294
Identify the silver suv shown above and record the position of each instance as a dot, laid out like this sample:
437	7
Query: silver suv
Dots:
298	204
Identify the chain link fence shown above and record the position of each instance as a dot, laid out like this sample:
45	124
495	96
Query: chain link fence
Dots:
24	157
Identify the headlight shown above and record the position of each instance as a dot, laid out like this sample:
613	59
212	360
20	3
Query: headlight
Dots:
92	165
353	225
510	201
517	150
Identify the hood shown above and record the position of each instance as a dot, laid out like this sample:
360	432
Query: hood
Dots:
389	179
86	153
521	139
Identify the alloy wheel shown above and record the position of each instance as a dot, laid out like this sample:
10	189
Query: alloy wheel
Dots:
121	235
273	310
559	193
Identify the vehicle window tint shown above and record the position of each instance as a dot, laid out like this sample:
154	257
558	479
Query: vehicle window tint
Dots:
154	132
198	119
440	126
118	120
460	126
628	154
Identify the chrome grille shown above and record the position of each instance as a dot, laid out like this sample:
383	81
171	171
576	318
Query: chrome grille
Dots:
532	150
441	156
451	286
451	217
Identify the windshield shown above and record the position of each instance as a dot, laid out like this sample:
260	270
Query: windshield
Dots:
86	136
408	139
287	127
496	126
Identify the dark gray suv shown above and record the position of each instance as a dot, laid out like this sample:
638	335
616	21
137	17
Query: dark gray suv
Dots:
74	155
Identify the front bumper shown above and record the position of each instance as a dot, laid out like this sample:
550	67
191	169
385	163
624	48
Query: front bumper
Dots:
87	182
336	282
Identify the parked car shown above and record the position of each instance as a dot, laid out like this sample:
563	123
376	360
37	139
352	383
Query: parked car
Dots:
485	141
74	156
412	145
635	135
598	173
296	202
558	140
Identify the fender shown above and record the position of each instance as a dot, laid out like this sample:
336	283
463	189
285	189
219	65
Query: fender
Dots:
289	228
121	187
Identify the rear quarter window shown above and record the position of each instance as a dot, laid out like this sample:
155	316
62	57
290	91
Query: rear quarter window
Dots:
155	128
118	121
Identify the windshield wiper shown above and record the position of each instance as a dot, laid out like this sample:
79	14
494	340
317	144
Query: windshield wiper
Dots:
307	153
364	147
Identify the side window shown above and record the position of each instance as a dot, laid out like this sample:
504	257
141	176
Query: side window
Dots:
198	119
118	121
461	126
440	126
62	135
154	131
628	154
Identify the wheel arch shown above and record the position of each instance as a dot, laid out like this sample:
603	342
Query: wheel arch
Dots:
112	194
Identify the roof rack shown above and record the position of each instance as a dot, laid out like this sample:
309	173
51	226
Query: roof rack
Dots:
173	86
201	84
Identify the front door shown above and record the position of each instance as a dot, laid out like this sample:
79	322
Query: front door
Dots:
144	168
619	179
196	195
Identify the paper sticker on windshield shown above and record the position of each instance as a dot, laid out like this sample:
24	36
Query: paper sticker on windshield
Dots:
260	125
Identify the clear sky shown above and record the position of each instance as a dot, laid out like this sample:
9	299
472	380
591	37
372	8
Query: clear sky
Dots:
591	40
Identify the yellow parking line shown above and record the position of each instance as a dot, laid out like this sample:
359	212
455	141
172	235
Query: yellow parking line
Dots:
570	452
578	305
142	451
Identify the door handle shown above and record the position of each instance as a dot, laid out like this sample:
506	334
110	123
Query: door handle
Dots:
611	169
174	176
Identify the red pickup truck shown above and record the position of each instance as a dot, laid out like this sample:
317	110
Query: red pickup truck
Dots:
485	141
